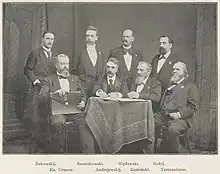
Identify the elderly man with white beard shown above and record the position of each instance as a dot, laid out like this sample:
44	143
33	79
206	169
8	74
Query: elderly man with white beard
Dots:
178	106
145	86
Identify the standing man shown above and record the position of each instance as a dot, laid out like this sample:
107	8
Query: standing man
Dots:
39	65
110	85
90	64
178	106
128	57
162	63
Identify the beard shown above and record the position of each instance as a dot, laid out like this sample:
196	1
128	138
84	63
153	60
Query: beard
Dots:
162	50
64	72
139	80
176	77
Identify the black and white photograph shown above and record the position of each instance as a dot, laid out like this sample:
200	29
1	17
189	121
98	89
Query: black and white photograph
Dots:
89	78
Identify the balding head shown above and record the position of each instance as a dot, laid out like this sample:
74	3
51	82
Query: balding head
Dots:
127	38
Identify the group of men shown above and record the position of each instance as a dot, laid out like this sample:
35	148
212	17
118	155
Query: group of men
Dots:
124	74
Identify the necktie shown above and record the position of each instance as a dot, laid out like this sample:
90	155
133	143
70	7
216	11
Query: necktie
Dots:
162	57
129	51
62	77
111	81
48	54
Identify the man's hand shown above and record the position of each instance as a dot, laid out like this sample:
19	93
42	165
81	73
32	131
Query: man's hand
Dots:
81	105
61	92
175	115
115	95
133	94
100	93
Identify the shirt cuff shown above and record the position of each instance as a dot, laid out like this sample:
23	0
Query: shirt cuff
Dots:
179	116
98	91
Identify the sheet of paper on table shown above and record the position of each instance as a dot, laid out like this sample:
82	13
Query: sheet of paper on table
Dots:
124	99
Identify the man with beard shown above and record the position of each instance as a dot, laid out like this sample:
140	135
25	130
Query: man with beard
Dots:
145	87
110	85
128	57
61	83
90	64
178	105
163	62
39	65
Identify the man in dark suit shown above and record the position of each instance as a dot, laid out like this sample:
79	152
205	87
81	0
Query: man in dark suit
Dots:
89	65
178	105
39	65
110	85
128	57
61	83
145	87
162	63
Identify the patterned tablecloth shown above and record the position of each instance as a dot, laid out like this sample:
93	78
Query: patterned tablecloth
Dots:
116	123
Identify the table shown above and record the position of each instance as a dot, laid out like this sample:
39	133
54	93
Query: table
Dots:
116	123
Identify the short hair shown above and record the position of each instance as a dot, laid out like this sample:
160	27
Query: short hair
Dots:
186	74
44	33
60	56
148	65
114	60
170	40
93	28
128	29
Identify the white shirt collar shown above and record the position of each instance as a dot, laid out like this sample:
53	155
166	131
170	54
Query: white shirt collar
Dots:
113	79
127	47
166	55
48	50
88	46
144	81
180	80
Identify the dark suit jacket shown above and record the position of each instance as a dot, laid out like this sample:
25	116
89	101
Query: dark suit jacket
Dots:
38	66
151	90
165	72
123	71
51	84
183	98
82	65
119	86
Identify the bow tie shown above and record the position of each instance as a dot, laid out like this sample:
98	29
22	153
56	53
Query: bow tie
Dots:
62	77
129	51
162	57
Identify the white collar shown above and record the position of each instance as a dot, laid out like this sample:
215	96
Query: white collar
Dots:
127	47
180	80
46	49
88	46
166	55
144	81
113	78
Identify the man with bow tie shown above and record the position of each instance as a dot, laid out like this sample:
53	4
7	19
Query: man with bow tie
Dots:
128	57
61	83
178	105
89	65
163	62
110	85
39	65
145	87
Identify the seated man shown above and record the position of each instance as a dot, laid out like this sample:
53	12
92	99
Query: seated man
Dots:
178	105
145	87
61	83
109	85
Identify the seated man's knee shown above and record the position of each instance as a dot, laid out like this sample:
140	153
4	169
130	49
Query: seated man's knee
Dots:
57	121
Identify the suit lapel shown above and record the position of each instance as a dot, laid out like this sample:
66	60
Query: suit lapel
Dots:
117	84
56	83
147	85
44	59
105	84
167	64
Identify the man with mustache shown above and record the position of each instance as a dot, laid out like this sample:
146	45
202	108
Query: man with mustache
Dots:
145	87
110	85
61	83
89	65
163	62
128	57
39	65
178	106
